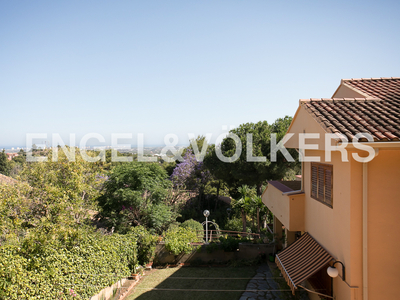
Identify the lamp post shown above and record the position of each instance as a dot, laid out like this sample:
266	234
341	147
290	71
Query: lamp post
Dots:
206	213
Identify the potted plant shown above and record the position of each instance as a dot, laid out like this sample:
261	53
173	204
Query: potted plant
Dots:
138	271
149	265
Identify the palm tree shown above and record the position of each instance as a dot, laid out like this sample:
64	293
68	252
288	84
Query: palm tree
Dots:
244	203
261	208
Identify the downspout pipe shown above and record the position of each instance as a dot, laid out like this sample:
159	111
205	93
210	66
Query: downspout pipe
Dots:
365	230
365	225
302	175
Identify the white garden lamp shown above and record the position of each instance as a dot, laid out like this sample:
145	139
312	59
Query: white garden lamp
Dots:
206	213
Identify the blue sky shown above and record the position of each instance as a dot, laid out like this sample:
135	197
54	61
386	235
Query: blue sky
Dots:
160	67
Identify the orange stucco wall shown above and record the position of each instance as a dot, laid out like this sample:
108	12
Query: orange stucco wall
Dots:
296	212
331	226
383	221
304	123
288	209
273	199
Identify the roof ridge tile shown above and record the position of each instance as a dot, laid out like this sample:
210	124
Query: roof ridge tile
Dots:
370	78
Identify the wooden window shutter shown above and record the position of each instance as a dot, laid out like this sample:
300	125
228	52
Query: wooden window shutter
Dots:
321	180
328	186
322	183
314	180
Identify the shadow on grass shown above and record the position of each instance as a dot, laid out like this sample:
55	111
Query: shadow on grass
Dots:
194	283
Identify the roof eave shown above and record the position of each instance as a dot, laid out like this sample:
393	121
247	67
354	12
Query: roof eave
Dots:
389	144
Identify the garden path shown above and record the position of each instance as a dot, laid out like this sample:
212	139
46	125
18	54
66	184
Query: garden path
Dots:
263	286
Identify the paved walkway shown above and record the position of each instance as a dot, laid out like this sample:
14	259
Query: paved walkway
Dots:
264	286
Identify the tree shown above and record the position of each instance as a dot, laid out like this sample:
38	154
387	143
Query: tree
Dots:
252	173
135	194
21	158
261	210
244	203
50	198
16	165
4	163
63	192
14	209
193	174
190	174
197	146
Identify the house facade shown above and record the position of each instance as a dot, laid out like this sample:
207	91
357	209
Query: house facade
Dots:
10	156
347	207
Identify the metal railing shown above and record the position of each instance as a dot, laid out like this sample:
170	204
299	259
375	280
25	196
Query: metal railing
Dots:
270	230
216	233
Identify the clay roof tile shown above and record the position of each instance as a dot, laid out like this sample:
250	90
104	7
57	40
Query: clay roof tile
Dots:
378	115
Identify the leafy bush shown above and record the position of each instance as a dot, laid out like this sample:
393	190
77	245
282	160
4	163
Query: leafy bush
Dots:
193	225
177	240
146	244
228	244
45	267
213	246
234	224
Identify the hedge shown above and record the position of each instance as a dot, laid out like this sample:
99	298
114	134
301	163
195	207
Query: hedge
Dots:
78	271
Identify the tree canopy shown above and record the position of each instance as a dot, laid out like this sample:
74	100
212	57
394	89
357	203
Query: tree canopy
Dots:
190	174
253	173
135	194
4	164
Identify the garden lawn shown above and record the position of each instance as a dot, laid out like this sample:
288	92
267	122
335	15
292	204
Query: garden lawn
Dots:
187	279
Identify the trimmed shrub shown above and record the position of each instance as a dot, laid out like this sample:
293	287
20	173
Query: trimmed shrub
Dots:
178	240
193	225
49	269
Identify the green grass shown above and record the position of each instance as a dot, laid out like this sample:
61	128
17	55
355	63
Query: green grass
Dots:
193	278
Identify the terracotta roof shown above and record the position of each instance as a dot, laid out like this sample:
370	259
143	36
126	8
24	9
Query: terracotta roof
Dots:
382	88
286	186
378	115
6	180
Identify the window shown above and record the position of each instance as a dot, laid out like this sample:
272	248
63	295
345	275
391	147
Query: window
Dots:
322	183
